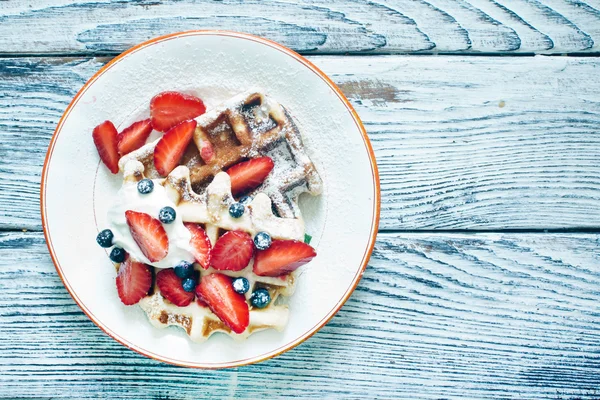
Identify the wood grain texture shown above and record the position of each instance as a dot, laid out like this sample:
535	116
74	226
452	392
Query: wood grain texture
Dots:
309	26
461	142
435	316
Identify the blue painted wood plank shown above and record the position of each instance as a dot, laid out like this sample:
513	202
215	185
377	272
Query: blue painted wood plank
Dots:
462	142
308	26
435	316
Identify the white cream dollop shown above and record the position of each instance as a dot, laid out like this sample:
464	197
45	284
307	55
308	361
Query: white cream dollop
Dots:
128	198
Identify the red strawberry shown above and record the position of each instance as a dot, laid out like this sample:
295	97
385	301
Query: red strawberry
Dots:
134	136
171	146
167	109
201	303
248	175
149	235
170	287
106	141
231	307
200	244
232	251
282	257
207	151
133	281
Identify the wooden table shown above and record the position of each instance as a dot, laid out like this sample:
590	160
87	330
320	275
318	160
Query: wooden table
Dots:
485	279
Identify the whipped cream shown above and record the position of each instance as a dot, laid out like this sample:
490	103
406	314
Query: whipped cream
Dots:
128	198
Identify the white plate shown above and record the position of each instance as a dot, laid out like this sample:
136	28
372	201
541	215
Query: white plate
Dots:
76	189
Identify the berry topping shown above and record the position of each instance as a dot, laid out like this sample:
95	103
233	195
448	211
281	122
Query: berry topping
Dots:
105	238
167	109
207	151
149	235
260	298
188	284
282	257
117	255
167	215
201	303
248	175
262	240
145	186
241	285
232	251
184	269
236	210
245	200
172	145
133	281
133	137
200	244
231	307
106	141
171	288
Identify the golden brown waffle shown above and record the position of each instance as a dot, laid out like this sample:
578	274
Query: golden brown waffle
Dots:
247	126
210	210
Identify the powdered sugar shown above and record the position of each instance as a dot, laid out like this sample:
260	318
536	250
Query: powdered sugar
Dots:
250	124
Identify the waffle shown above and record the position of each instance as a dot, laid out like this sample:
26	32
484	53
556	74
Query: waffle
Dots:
210	210
247	126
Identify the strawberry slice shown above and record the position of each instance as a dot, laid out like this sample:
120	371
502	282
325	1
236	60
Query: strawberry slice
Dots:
168	109
231	307
149	235
232	252
106	141
170	287
200	244
171	146
201	303
133	137
133	281
282	257
248	175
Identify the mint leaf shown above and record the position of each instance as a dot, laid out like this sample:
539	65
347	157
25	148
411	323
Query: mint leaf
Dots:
307	238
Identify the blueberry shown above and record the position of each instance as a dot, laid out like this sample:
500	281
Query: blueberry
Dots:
166	215
184	269
145	186
260	298
236	210
105	238
245	200
262	240
188	284
241	285
117	255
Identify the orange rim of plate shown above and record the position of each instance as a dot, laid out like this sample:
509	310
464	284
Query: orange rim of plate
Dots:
375	219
